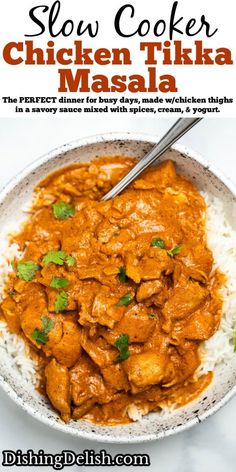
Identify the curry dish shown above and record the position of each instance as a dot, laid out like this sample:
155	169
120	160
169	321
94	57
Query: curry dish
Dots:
114	298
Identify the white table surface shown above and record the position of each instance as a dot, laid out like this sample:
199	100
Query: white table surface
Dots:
207	447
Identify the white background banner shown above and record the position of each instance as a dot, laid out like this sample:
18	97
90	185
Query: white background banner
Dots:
200	88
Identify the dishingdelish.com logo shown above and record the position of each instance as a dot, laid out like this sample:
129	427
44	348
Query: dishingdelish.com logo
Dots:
69	458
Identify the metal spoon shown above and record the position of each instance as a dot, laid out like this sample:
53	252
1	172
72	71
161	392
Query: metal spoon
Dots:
179	128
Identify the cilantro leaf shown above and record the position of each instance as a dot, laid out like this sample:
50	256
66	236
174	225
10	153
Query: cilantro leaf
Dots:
59	282
57	257
152	316
63	211
125	300
26	270
70	260
48	324
158	242
122	274
175	250
122	344
41	335
61	301
235	344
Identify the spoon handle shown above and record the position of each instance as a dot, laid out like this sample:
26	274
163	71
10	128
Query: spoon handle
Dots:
179	128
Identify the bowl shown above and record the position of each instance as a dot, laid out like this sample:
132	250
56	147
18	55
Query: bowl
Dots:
18	193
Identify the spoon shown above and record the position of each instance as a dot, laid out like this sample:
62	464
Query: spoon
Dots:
179	128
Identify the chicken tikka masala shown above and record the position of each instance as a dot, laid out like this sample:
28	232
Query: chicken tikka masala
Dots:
115	297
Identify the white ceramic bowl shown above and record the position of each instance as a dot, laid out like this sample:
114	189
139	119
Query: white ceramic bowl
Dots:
17	194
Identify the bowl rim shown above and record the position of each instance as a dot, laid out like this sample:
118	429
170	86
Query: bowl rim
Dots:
27	170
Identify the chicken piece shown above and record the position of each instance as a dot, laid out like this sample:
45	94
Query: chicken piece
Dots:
104	309
11	311
158	341
116	377
140	211
142	184
87	383
98	349
85	301
160	177
67	351
64	337
202	324
137	248
111	413
147	368
51	297
147	289
153	264
34	306
93	271
136	323
19	286
58	388
74	181
184	300
183	364
92	215
138	254
117	244
48	272
76	238
35	250
105	231
176	195
133	271
97	305
42	235
80	411
198	261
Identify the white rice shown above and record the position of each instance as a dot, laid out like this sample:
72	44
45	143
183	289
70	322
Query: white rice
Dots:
222	241
218	349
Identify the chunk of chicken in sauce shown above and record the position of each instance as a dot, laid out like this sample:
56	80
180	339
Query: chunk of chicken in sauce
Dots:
115	297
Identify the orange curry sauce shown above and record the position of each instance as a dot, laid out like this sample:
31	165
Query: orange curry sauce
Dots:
118	314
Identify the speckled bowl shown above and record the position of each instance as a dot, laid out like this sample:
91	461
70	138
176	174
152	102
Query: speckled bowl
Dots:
17	194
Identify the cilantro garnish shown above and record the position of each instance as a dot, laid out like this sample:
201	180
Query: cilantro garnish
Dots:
158	242
152	316
122	344
175	250
63	211
48	324
57	257
59	282
70	261
122	274
41	335
26	270
125	300
61	301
